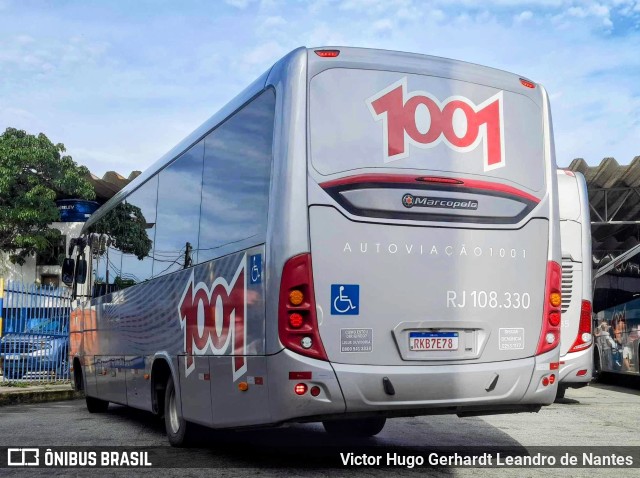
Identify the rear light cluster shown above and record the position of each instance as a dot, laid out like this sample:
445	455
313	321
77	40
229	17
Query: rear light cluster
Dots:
297	322
550	335
550	380
583	341
301	389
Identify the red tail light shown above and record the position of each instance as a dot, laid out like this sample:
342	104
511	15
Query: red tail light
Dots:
527	83
584	330
437	179
550	335
299	334
327	53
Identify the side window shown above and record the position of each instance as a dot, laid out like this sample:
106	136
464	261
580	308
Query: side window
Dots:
179	198
122	244
235	185
138	247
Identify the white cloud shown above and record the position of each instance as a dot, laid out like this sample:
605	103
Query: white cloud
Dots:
523	16
241	4
122	90
383	25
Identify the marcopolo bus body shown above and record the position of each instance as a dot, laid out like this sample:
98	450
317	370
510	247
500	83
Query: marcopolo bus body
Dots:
360	234
576	354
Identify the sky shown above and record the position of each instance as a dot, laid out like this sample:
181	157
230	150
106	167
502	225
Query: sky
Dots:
122	82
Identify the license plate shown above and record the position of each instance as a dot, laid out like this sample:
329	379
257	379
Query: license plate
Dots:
421	341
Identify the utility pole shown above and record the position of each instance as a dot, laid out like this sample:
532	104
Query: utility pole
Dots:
187	255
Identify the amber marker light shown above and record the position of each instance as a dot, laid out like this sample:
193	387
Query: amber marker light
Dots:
243	386
555	299
296	297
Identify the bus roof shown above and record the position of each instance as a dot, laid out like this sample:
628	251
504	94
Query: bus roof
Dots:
349	57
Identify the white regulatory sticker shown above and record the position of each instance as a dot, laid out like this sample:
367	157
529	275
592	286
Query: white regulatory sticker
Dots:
511	339
356	340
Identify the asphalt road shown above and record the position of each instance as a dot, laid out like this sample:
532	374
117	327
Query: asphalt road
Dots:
601	415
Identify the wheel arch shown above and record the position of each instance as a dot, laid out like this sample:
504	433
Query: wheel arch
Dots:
163	368
77	372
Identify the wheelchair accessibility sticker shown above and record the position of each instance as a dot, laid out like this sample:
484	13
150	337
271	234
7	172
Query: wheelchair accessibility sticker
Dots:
345	299
255	269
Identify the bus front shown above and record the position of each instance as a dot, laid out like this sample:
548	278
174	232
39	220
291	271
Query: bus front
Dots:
434	236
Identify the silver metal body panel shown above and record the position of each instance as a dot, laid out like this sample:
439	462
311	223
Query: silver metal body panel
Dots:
575	227
143	323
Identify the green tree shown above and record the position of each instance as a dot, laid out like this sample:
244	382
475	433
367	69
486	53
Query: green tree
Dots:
34	172
127	227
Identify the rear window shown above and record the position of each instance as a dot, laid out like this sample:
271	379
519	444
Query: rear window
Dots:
388	120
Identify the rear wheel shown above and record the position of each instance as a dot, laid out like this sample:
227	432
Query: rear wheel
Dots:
178	429
96	405
561	391
363	427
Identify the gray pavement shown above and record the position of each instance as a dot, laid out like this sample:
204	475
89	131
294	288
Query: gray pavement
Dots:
600	415
35	393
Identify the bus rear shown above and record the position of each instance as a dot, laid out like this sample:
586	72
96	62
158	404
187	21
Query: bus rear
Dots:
434	233
576	354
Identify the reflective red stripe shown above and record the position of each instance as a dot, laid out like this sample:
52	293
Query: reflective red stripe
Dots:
300	375
416	180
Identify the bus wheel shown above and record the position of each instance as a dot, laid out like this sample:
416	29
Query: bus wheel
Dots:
362	427
175	425
95	405
560	393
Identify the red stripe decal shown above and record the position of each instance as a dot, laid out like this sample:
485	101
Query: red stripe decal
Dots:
414	180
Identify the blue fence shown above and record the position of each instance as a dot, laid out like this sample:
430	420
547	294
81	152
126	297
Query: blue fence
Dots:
34	343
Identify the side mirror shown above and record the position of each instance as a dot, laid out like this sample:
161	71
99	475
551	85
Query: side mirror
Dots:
81	270
68	269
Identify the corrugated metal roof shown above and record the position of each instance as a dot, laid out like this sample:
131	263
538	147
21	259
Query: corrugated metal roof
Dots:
110	183
609	173
614	195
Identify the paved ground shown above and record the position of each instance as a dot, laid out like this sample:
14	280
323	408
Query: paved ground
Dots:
11	395
605	416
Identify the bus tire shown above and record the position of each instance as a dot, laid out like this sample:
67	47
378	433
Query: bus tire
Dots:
560	393
597	366
177	427
362	427
96	405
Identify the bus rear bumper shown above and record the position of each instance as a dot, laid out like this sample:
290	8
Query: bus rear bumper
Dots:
491	385
358	390
572	364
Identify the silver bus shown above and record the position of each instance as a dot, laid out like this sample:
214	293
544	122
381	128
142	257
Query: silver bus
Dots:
576	353
358	235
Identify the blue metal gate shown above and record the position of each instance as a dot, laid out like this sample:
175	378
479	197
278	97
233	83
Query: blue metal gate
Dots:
34	329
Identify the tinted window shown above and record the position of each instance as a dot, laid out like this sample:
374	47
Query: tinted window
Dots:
179	197
137	262
237	168
122	247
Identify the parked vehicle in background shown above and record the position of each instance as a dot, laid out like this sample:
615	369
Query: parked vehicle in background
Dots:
576	353
617	338
41	351
425	191
34	343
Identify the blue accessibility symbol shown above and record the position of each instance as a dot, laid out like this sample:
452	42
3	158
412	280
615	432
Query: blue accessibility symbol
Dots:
255	269
345	299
